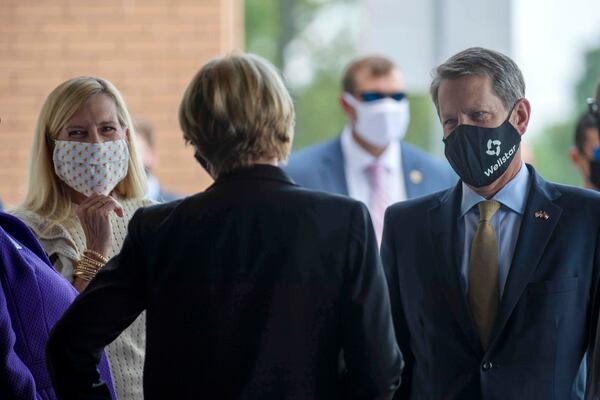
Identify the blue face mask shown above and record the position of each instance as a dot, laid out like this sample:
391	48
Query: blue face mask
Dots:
481	155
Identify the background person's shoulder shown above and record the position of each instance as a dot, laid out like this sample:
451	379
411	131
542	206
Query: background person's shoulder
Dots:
585	199
315	152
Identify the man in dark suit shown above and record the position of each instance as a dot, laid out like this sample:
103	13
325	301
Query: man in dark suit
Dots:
369	161
493	283
252	289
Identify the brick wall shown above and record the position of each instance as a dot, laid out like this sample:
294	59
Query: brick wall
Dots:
149	49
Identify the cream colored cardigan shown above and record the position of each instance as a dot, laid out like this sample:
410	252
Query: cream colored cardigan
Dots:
65	243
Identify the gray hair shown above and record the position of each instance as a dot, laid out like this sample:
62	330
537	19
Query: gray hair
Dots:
507	80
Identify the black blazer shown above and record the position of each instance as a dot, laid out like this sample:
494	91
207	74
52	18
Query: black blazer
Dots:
252	290
547	314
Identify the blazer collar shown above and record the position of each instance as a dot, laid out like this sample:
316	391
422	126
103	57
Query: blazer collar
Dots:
254	172
538	222
442	222
332	170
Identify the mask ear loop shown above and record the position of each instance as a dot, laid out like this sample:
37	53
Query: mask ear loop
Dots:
513	109
350	99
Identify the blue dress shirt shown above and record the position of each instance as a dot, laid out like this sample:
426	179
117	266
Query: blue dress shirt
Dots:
506	222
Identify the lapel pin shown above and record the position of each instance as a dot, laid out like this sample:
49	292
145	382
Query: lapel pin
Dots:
415	176
542	215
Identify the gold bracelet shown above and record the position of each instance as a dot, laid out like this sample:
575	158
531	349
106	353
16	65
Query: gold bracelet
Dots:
99	256
83	275
91	262
87	267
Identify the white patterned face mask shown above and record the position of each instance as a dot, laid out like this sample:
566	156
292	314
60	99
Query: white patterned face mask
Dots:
91	167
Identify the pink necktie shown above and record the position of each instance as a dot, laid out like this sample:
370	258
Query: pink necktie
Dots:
378	200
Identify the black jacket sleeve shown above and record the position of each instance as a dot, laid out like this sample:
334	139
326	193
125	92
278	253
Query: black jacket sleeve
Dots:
111	302
373	361
390	266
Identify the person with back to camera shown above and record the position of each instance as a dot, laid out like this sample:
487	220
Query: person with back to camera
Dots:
252	288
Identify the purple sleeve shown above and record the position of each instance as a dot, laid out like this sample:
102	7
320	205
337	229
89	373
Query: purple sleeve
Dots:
16	381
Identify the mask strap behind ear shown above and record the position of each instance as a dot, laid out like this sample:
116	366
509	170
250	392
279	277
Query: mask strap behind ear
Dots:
513	108
350	99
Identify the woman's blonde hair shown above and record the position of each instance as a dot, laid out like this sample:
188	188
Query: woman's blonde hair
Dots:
47	195
237	111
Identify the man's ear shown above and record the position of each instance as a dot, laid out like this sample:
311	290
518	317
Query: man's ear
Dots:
347	108
520	116
575	156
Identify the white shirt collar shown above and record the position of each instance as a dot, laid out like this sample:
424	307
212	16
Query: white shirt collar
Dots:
358	159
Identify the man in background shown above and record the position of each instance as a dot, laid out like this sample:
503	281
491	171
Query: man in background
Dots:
146	142
369	161
582	154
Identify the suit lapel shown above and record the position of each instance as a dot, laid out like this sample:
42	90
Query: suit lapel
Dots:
443	223
534	234
332	169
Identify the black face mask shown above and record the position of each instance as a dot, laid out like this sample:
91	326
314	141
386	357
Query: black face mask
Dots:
595	173
481	155
202	161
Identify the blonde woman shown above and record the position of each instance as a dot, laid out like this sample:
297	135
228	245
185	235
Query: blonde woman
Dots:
85	183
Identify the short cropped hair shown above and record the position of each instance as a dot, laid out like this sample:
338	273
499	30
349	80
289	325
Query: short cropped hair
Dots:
585	122
235	111
506	77
47	195
376	65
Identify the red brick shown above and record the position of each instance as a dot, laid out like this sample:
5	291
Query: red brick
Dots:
149	49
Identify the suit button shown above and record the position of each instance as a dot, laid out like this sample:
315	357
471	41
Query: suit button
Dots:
487	366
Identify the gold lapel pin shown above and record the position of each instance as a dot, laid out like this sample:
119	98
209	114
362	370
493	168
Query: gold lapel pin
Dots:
542	215
415	176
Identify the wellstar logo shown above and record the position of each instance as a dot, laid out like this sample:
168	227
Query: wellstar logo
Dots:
500	161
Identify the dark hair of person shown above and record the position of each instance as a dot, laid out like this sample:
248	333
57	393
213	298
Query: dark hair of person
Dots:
585	122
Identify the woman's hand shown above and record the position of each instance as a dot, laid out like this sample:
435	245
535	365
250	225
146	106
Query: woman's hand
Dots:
94	215
80	284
